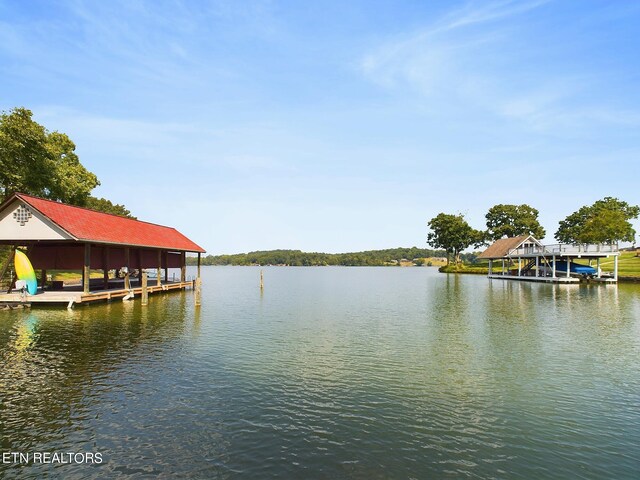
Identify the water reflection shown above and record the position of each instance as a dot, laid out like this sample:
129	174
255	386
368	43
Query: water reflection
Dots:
56	364
333	373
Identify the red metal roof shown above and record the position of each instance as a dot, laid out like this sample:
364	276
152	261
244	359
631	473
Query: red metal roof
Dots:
98	227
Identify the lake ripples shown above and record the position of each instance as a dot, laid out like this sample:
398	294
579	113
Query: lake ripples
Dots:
331	373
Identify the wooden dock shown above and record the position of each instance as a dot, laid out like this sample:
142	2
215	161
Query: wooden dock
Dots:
73	295
562	280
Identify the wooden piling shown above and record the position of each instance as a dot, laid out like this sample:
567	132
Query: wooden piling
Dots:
198	292
127	278
145	292
105	267
183	268
86	272
261	280
159	269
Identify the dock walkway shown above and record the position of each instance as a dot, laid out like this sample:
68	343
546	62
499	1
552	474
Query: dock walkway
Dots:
73	294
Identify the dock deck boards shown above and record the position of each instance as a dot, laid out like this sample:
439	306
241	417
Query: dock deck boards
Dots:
530	278
71	295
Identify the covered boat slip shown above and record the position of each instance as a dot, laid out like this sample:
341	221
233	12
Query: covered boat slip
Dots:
525	258
56	236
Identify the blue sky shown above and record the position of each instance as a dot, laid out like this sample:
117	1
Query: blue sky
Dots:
334	126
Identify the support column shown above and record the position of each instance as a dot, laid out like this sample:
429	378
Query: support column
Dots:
127	278
43	278
159	270
568	267
86	273
490	267
537	266
183	267
598	267
519	267
503	266
145	293
198	264
553	268
105	267
615	268
166	267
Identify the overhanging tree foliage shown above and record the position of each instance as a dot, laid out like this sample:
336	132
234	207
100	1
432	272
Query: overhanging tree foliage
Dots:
42	163
453	234
513	220
34	161
606	221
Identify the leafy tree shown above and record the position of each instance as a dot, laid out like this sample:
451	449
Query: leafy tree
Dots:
513	220
42	163
71	182
606	221
25	162
453	234
37	162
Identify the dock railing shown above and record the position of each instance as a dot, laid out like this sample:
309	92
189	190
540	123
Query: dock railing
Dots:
564	249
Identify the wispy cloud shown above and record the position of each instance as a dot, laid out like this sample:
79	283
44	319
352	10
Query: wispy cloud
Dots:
475	13
477	58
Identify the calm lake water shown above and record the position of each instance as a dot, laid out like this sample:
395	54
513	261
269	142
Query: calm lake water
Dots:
360	373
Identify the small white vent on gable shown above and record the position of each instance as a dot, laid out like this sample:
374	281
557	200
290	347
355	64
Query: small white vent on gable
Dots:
22	215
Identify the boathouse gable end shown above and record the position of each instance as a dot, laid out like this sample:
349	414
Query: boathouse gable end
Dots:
19	221
503	247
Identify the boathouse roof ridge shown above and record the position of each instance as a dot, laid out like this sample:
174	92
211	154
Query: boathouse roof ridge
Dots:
83	224
501	247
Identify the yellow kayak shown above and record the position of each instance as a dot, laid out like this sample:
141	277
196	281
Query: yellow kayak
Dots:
24	271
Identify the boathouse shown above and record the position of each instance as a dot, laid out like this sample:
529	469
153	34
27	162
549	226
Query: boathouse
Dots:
58	236
526	258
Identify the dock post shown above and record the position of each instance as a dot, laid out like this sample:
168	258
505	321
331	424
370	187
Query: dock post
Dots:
198	285
166	267
615	268
105	267
159	271
127	278
198	292
183	267
87	268
145	292
261	281
553	268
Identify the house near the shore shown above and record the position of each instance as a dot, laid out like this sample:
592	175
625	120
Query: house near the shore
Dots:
57	236
526	258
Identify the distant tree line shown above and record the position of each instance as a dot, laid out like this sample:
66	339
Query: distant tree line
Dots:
298	258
